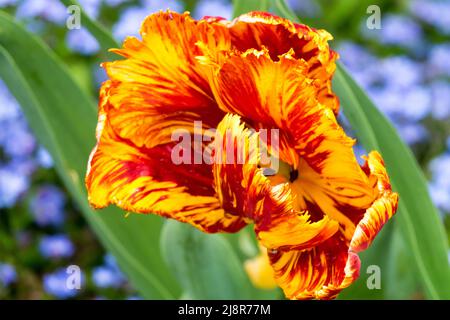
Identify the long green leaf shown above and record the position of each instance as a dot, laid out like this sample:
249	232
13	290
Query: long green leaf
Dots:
418	219
205	264
64	118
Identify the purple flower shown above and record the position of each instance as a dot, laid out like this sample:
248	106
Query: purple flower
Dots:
440	170
439	60
91	7
412	104
440	196
108	275
400	72
16	138
51	10
131	18
56	246
440	181
9	108
307	8
44	158
56	284
129	22
397	30
220	8
412	133
47	206
105	277
8	274
440	92
5	3
81	41
435	13
13	184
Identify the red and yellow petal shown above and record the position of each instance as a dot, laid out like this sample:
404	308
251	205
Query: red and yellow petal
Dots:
239	183
258	30
132	178
322	271
160	80
381	210
243	190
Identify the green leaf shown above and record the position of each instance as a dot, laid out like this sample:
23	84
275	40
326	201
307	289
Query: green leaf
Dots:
204	264
64	118
244	6
283	10
417	217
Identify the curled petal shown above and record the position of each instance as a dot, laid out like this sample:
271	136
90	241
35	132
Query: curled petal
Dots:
381	210
160	80
317	273
258	30
130	177
240	185
323	271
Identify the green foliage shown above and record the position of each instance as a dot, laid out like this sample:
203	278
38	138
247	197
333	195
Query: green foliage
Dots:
64	118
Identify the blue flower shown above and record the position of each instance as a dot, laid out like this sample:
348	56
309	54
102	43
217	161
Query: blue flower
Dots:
440	181
56	284
396	30
440	196
412	104
400	72
16	138
81	41
129	22
412	133
108	275
440	91
440	170
51	10
361	64
5	3
220	8
111	262
44	158
47	206
439	60
435	13
56	246
9	108
131	18
13	184
8	274
91	7
105	277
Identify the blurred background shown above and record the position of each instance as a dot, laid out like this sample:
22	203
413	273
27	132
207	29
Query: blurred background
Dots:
404	67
